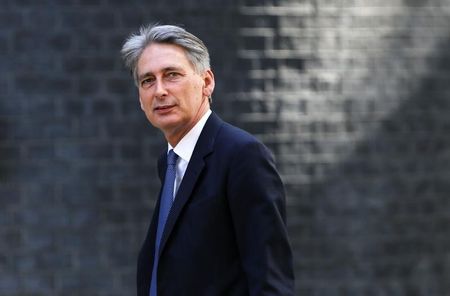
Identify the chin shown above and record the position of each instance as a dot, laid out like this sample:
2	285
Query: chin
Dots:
167	125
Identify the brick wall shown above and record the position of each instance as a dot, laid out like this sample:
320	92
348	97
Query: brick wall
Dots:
352	97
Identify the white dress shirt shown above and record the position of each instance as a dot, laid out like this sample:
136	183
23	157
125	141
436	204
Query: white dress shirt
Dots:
185	148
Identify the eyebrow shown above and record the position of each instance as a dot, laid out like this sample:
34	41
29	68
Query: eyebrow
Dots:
166	69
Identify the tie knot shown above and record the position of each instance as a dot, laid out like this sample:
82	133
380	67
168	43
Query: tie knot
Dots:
172	158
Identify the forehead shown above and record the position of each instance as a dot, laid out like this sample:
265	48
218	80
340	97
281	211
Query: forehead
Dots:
159	56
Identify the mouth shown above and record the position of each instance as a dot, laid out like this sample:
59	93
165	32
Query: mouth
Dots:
163	109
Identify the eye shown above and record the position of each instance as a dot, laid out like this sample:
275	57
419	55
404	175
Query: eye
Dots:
173	75
147	81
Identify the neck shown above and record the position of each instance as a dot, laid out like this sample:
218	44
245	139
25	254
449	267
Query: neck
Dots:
175	137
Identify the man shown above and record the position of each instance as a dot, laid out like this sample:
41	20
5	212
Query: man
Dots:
219	225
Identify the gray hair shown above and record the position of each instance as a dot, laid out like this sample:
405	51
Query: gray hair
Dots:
195	49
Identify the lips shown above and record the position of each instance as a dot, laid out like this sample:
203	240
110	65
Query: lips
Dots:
164	108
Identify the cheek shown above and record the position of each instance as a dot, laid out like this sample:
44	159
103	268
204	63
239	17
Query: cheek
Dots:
195	94
144	98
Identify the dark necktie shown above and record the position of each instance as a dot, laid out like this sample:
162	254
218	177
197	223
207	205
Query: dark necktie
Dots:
164	209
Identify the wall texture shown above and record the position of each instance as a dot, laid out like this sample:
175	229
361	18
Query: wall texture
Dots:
352	96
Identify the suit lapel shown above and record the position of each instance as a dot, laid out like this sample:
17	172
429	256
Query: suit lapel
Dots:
162	166
203	147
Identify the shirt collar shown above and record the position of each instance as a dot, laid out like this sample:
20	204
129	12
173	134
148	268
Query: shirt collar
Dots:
185	147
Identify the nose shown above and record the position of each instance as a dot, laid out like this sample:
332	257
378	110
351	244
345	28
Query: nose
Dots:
160	89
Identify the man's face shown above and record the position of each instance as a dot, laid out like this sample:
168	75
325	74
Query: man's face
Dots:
172	94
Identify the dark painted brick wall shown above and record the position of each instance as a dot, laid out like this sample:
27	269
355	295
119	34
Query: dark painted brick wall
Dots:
352	96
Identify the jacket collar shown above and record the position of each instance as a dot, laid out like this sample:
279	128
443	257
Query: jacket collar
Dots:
204	146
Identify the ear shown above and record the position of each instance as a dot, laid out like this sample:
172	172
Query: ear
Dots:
209	83
142	105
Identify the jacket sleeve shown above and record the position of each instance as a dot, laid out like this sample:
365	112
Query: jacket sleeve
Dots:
257	204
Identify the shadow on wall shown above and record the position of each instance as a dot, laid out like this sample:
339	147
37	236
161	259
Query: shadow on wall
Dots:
2	139
382	214
6	152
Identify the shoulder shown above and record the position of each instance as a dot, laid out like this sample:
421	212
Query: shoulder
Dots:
240	142
229	140
221	132
235	134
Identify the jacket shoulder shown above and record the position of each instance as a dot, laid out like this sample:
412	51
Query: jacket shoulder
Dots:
236	135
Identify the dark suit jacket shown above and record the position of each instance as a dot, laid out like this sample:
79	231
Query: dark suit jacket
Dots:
226	232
